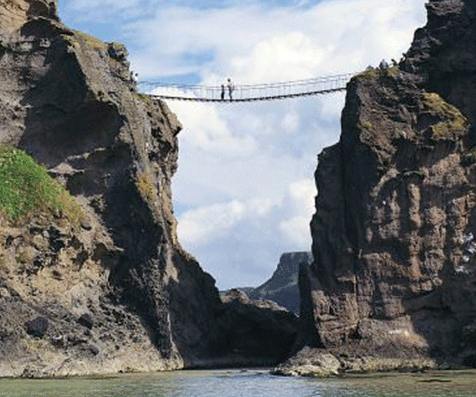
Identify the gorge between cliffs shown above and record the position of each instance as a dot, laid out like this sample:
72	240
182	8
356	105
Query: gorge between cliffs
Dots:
101	284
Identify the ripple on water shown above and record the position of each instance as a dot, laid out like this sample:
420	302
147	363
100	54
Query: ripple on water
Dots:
247	383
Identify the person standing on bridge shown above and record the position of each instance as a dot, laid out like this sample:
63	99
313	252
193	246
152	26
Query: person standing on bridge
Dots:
231	88
223	92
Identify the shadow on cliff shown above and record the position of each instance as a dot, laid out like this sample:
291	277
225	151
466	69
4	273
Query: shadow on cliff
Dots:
444	317
76	135
64	118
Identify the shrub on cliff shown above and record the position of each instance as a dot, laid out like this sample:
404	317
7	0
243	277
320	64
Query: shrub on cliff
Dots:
26	189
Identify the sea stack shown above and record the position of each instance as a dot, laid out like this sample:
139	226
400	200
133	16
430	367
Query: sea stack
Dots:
393	283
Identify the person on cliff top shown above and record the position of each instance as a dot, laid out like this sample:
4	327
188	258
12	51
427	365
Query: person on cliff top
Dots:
231	88
383	65
222	92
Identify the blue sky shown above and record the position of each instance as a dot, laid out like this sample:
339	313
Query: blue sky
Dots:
244	190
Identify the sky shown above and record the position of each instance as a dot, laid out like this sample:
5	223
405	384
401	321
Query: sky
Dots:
244	190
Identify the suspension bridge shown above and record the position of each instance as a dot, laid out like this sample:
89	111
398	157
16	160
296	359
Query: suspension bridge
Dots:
248	92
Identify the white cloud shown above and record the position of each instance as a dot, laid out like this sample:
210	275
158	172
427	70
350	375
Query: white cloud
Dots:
207	130
240	241
291	121
113	5
301	201
200	226
244	191
296	230
255	42
302	194
288	56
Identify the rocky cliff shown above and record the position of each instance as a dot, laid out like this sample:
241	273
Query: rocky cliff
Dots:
393	284
282	287
114	291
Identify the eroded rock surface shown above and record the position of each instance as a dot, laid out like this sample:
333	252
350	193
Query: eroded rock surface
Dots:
394	276
443	53
15	13
118	293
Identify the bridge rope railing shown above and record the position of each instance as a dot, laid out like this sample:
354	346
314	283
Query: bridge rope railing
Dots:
248	92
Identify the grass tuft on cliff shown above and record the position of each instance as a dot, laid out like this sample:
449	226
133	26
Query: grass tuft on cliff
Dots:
26	189
95	43
452	123
372	73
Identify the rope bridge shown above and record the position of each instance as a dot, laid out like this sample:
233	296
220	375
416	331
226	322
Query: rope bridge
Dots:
249	92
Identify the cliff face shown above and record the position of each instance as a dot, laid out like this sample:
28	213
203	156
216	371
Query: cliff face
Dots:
443	53
119	293
393	235
110	289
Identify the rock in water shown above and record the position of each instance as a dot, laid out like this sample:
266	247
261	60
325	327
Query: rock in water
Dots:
394	230
257	329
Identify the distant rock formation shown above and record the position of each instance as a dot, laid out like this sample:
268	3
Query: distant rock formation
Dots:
117	292
245	290
282	287
393	284
260	329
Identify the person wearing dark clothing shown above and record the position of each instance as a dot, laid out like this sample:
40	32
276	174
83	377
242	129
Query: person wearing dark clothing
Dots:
222	92
231	88
383	65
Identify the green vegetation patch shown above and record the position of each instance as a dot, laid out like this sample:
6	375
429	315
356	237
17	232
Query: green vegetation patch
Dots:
453	122
367	74
146	187
144	97
90	40
367	125
372	73
26	189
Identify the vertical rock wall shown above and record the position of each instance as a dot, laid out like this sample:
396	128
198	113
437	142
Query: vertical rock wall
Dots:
393	235
69	100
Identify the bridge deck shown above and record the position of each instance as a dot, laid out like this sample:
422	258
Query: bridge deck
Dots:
250	92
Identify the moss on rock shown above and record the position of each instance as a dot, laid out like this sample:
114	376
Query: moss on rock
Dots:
26	189
452	121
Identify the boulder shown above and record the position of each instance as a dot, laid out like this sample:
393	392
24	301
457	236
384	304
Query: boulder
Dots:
259	329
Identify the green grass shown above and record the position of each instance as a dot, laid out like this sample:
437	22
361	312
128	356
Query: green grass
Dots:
26	189
92	41
369	74
144	97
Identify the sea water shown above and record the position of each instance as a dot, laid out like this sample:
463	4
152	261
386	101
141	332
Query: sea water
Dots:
249	383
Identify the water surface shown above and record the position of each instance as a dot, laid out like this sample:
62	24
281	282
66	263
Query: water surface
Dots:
249	383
